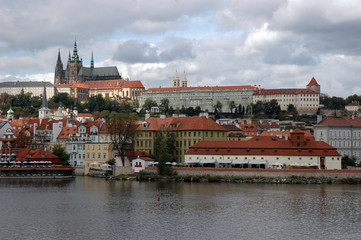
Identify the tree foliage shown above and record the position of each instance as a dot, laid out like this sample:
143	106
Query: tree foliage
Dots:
122	129
149	103
165	147
59	151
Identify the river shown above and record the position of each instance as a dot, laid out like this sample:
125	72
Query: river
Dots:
92	208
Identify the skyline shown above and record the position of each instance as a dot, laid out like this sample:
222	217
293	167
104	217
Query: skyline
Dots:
278	44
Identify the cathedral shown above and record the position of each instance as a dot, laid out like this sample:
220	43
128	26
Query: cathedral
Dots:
76	72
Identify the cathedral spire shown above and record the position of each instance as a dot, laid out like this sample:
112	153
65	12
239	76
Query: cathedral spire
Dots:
69	58
92	61
184	80
75	52
176	79
59	58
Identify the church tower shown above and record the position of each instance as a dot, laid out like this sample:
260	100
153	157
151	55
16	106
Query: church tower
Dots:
184	80
73	67
59	71
44	111
313	84
176	79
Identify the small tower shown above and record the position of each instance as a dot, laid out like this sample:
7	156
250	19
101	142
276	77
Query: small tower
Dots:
184	80
314	85
92	61
59	70
10	113
44	111
176	79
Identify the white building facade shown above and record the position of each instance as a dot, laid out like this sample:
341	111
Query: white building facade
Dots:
342	133
35	88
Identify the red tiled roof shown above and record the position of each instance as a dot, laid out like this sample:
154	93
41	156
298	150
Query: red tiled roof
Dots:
313	82
215	88
132	84
347	121
248	127
134	154
108	84
231	127
37	155
285	91
307	134
263	146
66	131
80	85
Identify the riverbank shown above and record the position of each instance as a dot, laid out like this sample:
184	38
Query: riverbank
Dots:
230	179
270	176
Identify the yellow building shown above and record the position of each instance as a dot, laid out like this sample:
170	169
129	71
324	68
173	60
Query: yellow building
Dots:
187	132
96	154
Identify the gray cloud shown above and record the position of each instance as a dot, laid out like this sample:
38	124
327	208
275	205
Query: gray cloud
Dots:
272	43
133	51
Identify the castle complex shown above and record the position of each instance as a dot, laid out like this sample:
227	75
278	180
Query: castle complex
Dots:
75	71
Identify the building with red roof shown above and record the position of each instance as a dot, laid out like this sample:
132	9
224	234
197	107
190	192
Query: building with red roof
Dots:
186	131
343	133
306	100
266	152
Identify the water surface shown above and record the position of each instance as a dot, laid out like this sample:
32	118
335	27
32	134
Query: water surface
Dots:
91	208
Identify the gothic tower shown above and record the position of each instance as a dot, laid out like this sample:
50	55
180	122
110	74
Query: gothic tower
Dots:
184	80
59	71
73	67
44	111
176	79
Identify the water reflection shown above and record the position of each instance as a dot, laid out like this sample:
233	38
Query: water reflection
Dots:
97	209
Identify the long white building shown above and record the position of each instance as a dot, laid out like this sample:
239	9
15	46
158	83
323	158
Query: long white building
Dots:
180	95
35	88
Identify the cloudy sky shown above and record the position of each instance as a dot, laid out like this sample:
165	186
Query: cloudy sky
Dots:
275	44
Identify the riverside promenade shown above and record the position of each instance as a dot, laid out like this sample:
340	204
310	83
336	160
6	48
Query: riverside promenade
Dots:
265	173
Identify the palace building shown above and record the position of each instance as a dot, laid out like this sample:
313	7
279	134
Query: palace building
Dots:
306	100
180	95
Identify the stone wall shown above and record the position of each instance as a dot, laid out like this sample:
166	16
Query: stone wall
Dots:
123	171
267	173
79	171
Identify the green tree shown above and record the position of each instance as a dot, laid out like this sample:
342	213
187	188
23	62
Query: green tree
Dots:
164	106
122	129
291	109
218	107
348	161
197	111
61	99
36	101
59	151
232	105
165	147
149	103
